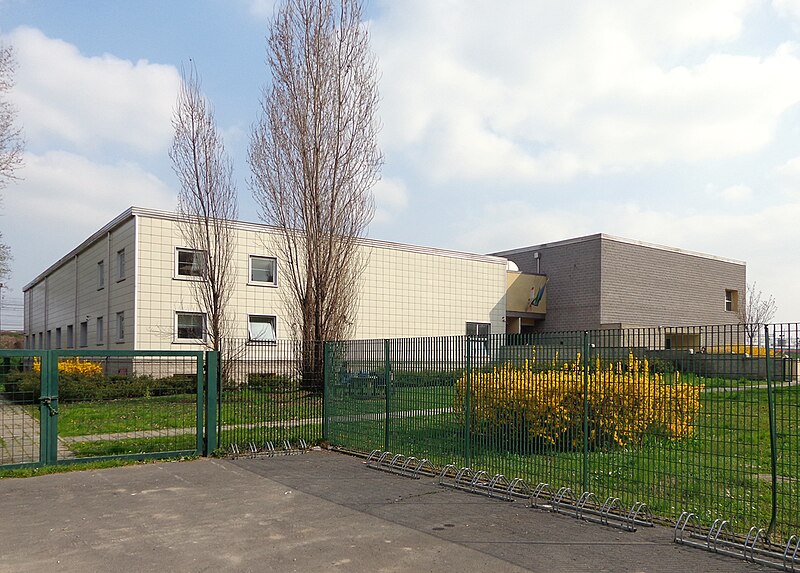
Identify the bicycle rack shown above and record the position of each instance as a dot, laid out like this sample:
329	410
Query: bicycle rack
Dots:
720	539
588	508
266	449
399	464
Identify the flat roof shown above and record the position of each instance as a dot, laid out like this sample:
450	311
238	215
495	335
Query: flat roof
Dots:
257	227
606	237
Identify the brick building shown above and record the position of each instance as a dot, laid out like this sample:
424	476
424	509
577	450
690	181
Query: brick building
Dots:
602	281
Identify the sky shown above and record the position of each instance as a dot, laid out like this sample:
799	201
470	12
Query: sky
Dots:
505	123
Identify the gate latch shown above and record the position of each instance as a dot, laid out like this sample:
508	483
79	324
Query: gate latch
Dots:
48	401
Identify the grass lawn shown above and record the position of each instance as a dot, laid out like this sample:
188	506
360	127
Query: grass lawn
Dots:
723	470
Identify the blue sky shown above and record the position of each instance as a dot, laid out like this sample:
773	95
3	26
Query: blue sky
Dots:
505	123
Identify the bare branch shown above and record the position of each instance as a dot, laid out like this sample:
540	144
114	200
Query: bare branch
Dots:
755	310
207	202
11	142
314	157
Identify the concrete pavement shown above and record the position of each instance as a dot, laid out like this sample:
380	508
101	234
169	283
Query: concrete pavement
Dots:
319	511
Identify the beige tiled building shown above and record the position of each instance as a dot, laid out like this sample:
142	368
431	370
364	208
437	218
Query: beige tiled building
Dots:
129	286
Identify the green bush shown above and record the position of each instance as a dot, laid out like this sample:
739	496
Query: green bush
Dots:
424	379
76	387
269	381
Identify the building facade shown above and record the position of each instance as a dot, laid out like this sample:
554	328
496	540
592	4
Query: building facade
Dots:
130	286
601	281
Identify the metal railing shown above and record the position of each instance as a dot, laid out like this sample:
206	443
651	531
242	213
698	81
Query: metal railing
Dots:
270	392
697	419
63	406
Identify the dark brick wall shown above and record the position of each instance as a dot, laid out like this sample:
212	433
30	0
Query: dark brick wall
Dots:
598	281
646	286
573	290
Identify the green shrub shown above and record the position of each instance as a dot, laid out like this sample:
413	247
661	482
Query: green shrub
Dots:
77	387
269	381
425	378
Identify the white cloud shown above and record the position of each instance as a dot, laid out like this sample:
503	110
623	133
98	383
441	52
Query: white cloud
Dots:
391	197
527	92
788	8
89	103
736	193
262	8
63	198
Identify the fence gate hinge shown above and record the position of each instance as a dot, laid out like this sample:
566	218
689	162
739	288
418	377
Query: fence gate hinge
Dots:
48	401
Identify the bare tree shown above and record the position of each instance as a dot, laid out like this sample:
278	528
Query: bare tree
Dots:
314	158
207	203
755	310
11	143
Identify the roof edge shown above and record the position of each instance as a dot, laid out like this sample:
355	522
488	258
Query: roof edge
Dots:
607	237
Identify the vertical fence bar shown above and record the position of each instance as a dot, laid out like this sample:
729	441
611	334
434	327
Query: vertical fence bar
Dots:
468	404
211	398
387	368
326	386
585	444
773	452
50	435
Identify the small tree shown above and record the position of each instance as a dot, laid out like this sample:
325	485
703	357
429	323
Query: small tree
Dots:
755	310
207	203
314	158
11	143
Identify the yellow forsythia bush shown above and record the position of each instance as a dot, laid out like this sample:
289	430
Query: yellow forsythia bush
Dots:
626	402
73	366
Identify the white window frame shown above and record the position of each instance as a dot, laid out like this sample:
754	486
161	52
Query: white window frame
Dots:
101	275
181	277
121	326
251	281
121	265
731	300
271	317
178	340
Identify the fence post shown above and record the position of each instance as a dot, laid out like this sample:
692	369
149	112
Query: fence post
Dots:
387	370
468	405
48	406
326	384
585	444
773	448
211	398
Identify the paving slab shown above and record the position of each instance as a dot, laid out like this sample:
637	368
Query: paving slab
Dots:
318	511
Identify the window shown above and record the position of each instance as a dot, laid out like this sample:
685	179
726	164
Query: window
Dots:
478	329
189	263
190	326
70	336
261	328
101	275
99	330
120	326
41	340
84	334
732	300
58	337
263	270
48	343
121	265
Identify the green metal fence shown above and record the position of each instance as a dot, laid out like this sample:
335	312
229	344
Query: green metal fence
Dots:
63	406
266	394
701	419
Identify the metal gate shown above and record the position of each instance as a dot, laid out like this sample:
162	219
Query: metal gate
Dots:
64	406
